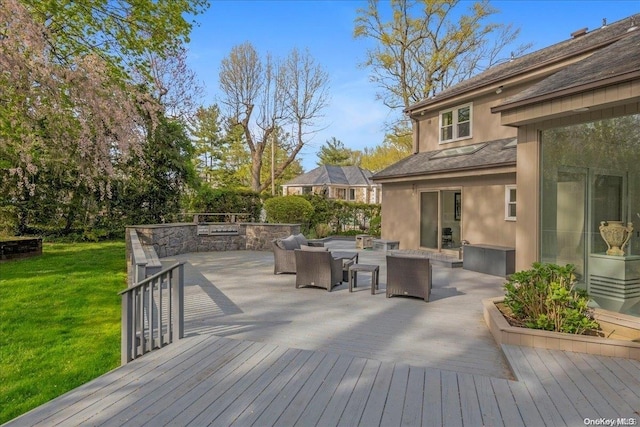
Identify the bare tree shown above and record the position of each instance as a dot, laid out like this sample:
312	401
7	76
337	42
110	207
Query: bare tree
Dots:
425	48
265	96
174	85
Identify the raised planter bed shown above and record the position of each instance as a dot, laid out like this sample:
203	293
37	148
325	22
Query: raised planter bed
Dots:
20	247
504	333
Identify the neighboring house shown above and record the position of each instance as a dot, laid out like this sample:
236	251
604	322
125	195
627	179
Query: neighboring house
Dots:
531	154
350	183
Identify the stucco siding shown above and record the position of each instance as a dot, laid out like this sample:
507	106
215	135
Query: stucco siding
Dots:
483	216
485	125
483	201
401	215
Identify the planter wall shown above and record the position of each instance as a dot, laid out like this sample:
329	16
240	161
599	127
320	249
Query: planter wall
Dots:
504	333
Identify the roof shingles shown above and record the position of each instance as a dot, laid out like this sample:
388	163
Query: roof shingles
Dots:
493	154
333	175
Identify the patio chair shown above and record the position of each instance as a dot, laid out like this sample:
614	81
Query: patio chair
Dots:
315	268
408	275
284	261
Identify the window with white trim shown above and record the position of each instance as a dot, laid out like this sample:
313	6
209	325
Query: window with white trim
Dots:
510	202
455	123
352	194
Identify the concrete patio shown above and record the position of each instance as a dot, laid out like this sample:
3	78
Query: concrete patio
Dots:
260	352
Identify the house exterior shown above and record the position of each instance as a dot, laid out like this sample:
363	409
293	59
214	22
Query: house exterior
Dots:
349	183
532	154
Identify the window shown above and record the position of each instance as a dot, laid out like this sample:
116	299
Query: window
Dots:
510	202
455	123
341	193
352	194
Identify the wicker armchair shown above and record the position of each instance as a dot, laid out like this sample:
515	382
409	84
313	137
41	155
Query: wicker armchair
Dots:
284	261
319	269
408	275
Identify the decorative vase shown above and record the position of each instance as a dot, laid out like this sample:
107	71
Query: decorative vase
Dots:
616	235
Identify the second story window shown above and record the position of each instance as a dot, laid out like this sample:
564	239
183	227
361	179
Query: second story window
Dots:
455	123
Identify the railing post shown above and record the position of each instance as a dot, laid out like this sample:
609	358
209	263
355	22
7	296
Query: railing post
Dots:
177	290
125	334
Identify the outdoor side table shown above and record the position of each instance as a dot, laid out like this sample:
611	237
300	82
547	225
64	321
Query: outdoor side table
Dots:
369	268
347	258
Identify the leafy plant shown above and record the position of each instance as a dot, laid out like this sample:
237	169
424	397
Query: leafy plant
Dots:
207	199
545	297
323	230
288	209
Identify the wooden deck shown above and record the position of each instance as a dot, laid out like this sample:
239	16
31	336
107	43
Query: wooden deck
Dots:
211	380
261	353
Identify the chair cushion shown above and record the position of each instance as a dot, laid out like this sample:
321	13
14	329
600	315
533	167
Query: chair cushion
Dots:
313	248
290	243
301	239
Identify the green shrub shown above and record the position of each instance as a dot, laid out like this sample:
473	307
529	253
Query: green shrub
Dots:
223	200
343	216
288	209
545	298
375	225
323	230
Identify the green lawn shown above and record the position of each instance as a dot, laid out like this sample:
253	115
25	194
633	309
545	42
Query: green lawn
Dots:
59	321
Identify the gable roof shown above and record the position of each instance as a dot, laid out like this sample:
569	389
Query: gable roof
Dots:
543	58
618	61
333	175
501	152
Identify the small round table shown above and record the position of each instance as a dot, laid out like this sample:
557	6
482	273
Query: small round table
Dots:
369	268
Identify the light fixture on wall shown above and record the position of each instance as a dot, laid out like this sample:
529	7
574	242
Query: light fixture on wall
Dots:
499	90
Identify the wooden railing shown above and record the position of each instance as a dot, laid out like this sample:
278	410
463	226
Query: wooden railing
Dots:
152	313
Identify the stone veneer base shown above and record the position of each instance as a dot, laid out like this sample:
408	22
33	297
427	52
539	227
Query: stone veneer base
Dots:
504	333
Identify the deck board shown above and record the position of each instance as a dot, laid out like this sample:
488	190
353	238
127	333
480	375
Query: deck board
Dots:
617	402
190	401
489	409
392	415
414	396
572	392
539	395
624	385
577	376
172	384
274	400
305	394
469	403
372	414
360	396
432	398
507	404
338	402
316	406
211	380
260	352
451	410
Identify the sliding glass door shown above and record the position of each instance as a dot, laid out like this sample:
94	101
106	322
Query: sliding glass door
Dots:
440	219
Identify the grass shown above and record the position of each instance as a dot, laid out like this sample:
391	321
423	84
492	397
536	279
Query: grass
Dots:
59	321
